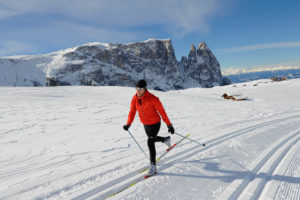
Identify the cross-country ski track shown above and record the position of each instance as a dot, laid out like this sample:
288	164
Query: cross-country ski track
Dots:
252	148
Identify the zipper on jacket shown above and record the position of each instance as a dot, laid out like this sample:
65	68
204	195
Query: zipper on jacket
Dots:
143	115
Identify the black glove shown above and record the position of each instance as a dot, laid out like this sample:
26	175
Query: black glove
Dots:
126	127
171	129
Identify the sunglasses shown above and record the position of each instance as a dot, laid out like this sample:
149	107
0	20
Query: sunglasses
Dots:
139	89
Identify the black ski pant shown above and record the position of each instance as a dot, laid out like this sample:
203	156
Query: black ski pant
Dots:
152	131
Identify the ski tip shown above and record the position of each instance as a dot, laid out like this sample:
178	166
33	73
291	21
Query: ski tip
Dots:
148	176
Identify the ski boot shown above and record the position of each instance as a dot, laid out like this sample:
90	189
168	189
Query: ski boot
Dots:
168	141
152	170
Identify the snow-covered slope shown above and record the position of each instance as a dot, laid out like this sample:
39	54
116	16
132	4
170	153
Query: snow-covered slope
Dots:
68	143
23	70
32	70
114	65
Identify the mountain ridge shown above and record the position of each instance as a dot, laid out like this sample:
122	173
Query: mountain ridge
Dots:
96	63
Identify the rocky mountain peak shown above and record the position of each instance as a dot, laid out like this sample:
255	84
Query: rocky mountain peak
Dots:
118	64
193	48
203	46
193	54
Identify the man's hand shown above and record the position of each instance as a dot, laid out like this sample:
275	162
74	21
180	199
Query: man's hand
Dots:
126	127
171	129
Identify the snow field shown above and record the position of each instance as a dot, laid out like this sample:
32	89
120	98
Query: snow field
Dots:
68	143
286	170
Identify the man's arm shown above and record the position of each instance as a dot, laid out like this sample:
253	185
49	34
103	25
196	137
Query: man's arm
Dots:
132	112
159	107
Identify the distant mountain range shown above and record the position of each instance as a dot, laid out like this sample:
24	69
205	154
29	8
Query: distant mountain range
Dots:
243	75
115	65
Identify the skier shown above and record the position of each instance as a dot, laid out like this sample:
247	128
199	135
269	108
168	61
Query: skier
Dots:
150	112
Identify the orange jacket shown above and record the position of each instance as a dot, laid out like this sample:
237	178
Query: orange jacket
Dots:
148	109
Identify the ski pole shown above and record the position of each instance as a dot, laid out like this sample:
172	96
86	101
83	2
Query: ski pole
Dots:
137	143
191	139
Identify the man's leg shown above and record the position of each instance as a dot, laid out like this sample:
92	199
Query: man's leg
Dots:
152	131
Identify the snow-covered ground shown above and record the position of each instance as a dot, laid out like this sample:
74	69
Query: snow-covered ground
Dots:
68	143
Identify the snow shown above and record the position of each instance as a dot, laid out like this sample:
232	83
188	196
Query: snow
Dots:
33	70
102	46
236	71
153	40
23	70
68	143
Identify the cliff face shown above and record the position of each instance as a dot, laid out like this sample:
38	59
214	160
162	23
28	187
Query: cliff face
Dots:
200	68
117	64
123	64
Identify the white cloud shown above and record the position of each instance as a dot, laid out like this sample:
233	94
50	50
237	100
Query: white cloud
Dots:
12	47
177	16
93	33
7	13
56	33
60	35
258	47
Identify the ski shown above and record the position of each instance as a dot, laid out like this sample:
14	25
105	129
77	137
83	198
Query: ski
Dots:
143	177
148	176
167	151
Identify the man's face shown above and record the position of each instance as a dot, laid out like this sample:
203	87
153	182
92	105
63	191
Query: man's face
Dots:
140	91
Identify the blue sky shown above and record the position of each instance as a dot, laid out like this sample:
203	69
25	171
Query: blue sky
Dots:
241	33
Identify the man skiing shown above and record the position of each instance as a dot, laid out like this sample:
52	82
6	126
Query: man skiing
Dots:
150	112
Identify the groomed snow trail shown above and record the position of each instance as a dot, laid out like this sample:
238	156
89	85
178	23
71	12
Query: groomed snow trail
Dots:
181	156
209	175
68	143
287	184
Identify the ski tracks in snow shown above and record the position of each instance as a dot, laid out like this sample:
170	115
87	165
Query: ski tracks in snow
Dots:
181	154
288	171
105	190
290	167
253	186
